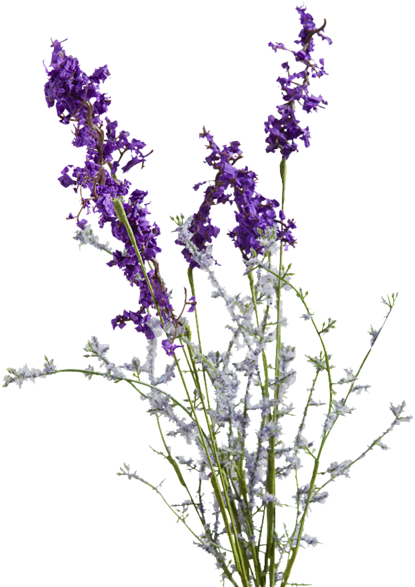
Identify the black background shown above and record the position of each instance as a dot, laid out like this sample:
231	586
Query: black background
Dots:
345	195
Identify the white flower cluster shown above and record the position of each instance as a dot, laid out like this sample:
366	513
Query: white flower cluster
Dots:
232	406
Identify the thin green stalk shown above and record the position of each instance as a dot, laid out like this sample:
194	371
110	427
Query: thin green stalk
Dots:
238	555
323	441
122	217
177	469
249	517
271	517
132	382
209	423
265	391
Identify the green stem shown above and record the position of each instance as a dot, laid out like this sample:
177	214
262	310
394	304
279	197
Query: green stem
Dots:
323	441
209	423
271	455
241	561
122	217
177	469
265	393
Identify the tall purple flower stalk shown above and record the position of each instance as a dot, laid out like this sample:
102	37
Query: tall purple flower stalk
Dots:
253	211
283	131
73	91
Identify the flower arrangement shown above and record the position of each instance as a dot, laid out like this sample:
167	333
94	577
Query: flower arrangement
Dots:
230	412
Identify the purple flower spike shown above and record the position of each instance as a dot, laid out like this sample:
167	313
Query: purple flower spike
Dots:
283	131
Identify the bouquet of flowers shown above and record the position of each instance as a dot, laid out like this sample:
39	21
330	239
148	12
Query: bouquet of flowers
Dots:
231	412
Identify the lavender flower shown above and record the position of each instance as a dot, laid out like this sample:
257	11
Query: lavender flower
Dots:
72	91
243	483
